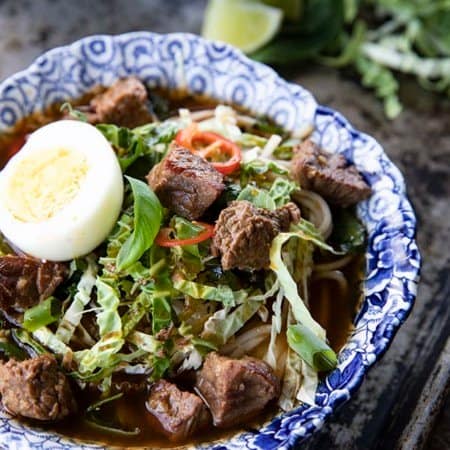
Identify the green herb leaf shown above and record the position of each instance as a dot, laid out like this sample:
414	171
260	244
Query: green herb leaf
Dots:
348	232
148	214
281	190
42	314
161	314
258	197
141	142
11	350
25	338
312	349
160	365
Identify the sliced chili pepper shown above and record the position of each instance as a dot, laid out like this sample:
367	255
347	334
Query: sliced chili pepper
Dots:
211	146
163	238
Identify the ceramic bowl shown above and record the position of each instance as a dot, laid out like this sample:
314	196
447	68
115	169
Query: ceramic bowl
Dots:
186	61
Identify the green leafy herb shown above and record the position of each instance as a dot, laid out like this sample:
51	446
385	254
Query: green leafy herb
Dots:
148	215
160	365
24	337
161	314
42	314
12	350
348	232
281	190
263	125
258	197
148	141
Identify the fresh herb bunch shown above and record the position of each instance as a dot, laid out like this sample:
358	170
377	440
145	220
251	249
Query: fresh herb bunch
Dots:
378	38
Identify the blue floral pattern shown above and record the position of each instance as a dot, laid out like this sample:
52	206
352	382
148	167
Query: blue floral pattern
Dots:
224	73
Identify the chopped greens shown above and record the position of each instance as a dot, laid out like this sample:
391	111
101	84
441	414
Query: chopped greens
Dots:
148	142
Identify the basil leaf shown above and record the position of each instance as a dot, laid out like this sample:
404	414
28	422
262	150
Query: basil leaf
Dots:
148	214
313	350
42	314
161	314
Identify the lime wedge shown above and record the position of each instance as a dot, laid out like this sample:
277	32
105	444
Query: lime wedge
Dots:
246	24
292	9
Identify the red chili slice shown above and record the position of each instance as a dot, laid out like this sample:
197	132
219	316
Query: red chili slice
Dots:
163	238
211	146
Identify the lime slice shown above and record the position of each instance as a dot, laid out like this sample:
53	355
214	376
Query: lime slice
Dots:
245	24
292	9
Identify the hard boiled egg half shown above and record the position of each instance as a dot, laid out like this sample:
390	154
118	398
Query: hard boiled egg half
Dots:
61	194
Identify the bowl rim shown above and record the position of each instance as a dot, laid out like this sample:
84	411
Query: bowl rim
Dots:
295	435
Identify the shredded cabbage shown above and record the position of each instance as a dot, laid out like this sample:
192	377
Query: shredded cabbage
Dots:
82	297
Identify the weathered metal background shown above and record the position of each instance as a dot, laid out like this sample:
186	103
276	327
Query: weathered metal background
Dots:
400	398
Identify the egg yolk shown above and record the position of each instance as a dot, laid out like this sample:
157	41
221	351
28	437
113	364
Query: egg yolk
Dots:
44	182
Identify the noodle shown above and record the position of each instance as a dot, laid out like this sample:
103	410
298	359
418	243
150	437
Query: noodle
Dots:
335	275
247	341
333	265
319	211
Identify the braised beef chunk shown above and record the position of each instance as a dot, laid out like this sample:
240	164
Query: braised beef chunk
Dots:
36	388
328	174
244	233
235	390
185	183
24	282
179	413
125	103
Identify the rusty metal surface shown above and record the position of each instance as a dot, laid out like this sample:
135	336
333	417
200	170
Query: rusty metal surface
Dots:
395	405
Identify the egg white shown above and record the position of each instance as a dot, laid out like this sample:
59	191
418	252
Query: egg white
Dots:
84	222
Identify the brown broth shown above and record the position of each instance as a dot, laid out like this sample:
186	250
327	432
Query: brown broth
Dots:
332	310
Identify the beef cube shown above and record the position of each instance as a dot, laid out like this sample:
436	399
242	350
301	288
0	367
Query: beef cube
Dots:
235	390
24	282
180	413
328	174
185	183
125	103
244	233
36	388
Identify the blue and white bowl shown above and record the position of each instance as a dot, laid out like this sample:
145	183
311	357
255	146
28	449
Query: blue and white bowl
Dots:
186	61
